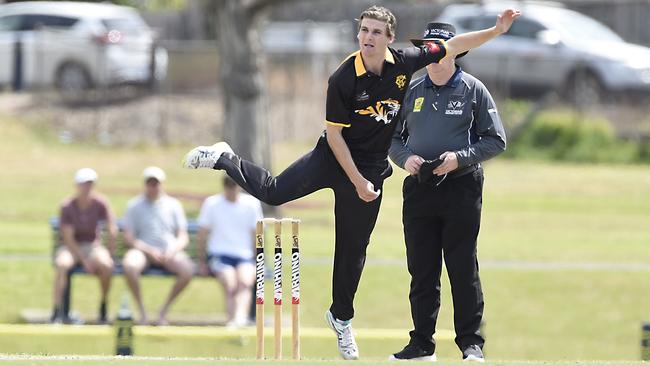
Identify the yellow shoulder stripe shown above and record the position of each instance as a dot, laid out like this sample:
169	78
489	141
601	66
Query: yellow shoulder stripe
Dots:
338	124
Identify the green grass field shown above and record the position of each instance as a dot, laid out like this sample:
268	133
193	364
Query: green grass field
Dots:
93	361
563	249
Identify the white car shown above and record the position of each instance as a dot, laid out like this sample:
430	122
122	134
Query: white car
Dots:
552	48
76	46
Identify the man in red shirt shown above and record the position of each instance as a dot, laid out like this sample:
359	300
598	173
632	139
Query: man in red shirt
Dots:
81	219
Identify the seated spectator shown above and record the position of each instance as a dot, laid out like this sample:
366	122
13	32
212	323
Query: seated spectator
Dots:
155	229
227	224
80	221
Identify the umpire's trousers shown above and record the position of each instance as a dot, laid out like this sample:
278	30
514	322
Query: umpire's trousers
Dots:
439	222
354	218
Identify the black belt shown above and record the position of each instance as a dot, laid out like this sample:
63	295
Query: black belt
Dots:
463	171
436	180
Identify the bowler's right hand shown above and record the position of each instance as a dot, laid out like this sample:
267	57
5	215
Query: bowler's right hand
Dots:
366	190
413	164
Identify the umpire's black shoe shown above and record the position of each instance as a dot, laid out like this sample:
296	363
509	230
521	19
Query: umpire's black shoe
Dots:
413	352
473	353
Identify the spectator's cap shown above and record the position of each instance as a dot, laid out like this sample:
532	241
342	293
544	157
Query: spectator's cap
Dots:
153	172
85	175
435	30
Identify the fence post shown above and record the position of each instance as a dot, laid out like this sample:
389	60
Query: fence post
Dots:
645	342
153	82
17	81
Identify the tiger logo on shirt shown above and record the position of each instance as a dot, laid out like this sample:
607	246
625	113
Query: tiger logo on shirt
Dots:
383	111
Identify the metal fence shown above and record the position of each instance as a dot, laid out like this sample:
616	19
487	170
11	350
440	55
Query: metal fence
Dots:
187	106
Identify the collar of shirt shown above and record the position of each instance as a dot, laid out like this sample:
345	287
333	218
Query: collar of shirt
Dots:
452	82
360	68
162	197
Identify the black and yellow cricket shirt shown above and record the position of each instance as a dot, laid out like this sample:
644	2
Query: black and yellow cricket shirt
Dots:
367	105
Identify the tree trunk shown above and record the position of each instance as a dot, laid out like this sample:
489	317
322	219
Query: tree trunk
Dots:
242	82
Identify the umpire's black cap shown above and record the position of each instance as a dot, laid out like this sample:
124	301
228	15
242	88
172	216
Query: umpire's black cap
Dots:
435	30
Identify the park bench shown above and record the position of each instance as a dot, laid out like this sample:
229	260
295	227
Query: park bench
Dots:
121	248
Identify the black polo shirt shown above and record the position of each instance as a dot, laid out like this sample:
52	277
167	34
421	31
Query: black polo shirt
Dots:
367	104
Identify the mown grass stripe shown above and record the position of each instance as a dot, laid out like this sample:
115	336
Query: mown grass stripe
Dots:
193	331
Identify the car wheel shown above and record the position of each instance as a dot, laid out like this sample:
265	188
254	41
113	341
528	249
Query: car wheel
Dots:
72	79
584	88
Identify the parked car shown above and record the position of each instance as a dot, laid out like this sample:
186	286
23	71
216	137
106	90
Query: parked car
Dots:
75	46
552	48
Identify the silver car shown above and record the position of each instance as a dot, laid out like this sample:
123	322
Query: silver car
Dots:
552	48
76	45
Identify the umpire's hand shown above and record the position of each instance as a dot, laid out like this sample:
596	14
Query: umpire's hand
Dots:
413	164
449	164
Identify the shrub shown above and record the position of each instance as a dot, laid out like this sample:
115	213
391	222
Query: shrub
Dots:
566	135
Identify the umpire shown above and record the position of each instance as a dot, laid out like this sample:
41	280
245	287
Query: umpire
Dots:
448	126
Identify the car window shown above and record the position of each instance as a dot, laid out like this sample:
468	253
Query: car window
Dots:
525	28
125	25
33	21
476	22
10	23
577	27
463	22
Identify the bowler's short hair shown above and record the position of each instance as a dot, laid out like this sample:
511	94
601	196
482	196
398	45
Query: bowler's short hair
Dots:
383	15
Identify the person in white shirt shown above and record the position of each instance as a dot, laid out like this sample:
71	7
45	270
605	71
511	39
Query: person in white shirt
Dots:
227	228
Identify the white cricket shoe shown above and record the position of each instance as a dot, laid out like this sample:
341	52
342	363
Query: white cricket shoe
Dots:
205	156
346	343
